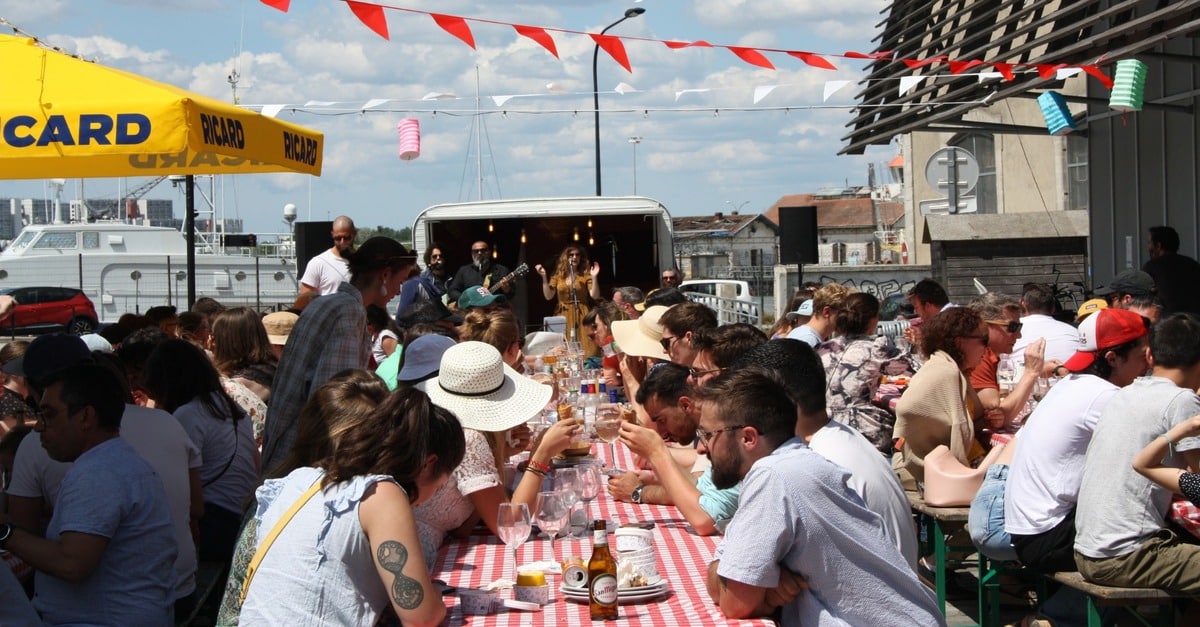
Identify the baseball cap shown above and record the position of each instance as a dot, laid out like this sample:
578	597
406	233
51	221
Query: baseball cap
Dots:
1133	282
1090	307
1107	328
479	296
423	358
48	354
805	309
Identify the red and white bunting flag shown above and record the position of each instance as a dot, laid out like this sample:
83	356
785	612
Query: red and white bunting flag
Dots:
456	26
751	56
371	15
539	35
614	48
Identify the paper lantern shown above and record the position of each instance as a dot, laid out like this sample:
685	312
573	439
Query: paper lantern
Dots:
1129	84
1054	108
410	138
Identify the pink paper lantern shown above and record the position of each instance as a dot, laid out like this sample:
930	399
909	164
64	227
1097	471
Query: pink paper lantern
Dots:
410	138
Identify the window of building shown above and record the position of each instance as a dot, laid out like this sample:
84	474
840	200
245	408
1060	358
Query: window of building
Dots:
91	239
983	148
1077	172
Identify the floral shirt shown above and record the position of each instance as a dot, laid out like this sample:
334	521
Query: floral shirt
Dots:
854	366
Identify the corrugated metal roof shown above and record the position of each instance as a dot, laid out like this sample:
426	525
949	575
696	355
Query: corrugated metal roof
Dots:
1046	32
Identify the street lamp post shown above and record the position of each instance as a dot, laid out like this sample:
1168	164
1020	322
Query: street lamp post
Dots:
635	140
596	86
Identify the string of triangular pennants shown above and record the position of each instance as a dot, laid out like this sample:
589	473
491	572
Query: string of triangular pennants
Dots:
760	92
373	17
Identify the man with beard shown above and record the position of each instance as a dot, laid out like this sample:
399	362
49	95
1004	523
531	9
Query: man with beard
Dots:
325	272
802	541
481	271
431	284
669	401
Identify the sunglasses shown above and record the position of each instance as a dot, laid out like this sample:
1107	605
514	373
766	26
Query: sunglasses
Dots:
476	251
666	342
697	373
670	277
1012	326
343	238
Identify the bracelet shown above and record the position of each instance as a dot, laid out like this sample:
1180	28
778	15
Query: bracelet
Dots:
538	467
540	473
1170	444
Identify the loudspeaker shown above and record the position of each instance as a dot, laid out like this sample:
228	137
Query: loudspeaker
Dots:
312	239
798	235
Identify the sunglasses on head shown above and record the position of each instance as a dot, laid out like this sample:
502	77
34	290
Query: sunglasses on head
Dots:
1012	326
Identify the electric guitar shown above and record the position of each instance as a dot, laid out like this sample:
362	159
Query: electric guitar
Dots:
519	272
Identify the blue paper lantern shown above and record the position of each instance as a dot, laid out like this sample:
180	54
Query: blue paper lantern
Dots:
1059	120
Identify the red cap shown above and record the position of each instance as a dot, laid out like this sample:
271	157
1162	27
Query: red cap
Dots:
1105	329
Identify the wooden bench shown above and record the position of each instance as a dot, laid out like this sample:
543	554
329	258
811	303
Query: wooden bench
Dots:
1099	596
932	524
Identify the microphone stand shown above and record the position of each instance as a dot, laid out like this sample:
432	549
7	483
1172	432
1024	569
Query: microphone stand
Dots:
576	318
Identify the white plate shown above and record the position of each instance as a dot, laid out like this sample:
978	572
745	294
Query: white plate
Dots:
657	585
574	594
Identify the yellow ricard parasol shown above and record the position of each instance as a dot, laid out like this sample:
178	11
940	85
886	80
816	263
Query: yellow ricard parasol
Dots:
64	117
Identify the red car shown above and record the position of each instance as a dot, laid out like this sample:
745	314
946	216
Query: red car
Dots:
41	309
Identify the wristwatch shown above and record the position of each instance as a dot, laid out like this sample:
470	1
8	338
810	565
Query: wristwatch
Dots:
636	495
6	531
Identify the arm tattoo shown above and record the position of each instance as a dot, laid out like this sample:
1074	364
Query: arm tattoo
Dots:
406	591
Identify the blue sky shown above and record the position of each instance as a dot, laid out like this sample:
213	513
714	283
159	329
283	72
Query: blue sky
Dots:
698	153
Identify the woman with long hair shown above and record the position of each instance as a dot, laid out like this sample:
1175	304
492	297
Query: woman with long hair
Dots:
576	283
180	379
940	406
243	355
598	323
351	548
335	409
332	336
855	362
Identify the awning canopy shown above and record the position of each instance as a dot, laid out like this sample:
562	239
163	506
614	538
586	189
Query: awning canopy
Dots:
64	117
1046	32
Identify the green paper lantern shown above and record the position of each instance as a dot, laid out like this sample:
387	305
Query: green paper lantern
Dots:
1129	85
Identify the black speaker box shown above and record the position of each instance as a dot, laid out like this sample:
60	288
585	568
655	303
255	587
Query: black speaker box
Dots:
312	239
798	235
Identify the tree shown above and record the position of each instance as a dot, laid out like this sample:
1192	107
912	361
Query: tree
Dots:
404	235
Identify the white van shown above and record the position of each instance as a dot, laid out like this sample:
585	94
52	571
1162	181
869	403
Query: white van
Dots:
731	299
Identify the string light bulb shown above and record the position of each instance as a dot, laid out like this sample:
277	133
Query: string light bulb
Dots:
495	252
591	238
576	236
491	227
589	223
522	236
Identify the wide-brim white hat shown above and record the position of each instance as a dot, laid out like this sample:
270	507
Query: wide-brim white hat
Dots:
641	337
482	391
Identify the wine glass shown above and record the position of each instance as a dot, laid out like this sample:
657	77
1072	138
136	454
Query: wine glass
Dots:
608	428
566	482
551	515
589	487
513	524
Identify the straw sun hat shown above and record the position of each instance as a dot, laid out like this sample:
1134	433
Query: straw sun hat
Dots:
477	386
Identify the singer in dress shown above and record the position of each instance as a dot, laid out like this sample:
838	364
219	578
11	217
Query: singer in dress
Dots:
576	283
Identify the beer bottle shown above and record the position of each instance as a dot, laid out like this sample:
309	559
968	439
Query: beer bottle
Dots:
602	576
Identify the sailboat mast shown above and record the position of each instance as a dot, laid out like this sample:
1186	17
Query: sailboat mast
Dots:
478	135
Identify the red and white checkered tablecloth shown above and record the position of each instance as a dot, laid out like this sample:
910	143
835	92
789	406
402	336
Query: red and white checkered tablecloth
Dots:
683	559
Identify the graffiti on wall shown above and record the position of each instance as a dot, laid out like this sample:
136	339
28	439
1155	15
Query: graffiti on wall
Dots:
878	289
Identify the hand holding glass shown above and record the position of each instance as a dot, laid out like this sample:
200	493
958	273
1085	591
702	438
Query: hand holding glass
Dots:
513	525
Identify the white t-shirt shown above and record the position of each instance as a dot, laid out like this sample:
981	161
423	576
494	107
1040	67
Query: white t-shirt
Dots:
1062	339
451	505
872	477
161	441
325	272
1045	473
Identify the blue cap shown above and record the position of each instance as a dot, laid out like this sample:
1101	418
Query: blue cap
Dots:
423	358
